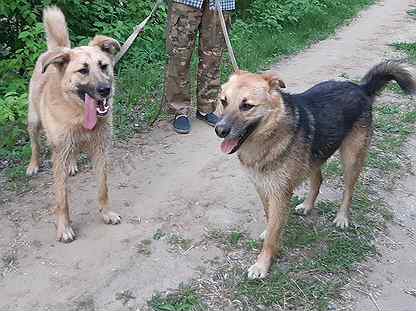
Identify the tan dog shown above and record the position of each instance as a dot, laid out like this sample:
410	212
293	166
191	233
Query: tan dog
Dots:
70	98
283	138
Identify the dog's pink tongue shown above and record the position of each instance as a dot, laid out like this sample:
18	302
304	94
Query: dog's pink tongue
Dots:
90	115
228	145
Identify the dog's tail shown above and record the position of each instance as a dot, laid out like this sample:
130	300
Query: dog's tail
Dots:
55	27
380	75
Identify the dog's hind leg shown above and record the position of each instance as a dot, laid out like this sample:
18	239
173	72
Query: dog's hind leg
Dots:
101	168
64	232
278	214
33	128
353	154
315	185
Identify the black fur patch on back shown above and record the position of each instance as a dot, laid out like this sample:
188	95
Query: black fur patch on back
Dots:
327	112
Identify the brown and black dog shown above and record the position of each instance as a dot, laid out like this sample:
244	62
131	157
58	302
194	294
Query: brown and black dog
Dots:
70	97
284	138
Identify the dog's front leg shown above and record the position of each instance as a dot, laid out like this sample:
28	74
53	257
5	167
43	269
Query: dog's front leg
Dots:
265	204
64	232
101	167
277	217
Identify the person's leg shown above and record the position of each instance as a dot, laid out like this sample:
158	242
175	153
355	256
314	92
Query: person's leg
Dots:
182	29
211	47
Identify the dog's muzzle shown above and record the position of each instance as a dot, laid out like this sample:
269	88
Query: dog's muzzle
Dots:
222	130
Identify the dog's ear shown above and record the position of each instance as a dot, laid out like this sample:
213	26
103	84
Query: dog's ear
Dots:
106	44
57	57
275	82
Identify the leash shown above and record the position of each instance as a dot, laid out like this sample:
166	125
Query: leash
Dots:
139	29
226	37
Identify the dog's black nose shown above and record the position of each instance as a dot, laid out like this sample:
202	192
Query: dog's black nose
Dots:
222	130
104	90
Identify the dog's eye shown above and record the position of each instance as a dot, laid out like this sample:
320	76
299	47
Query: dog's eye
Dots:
245	106
84	71
104	67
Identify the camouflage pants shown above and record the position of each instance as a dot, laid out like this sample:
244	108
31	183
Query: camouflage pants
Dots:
185	22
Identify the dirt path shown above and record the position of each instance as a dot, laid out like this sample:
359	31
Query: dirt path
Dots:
179	187
392	281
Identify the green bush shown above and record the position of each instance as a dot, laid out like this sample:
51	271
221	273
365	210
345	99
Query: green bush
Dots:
12	117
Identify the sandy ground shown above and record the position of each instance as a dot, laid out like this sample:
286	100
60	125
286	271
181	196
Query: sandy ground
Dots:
182	186
392	281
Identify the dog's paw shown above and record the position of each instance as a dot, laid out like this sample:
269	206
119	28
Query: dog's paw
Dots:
32	169
65	234
257	271
302	209
73	168
341	220
262	235
111	218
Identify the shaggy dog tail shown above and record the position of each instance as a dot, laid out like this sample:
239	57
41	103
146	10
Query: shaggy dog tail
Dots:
55	27
380	75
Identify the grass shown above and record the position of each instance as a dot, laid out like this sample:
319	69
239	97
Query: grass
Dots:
184	299
138	98
412	12
333	168
178	244
232	239
313	266
317	259
125	296
408	48
393	125
15	168
144	247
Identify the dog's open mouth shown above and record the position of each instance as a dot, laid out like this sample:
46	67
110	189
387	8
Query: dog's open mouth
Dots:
102	108
231	145
94	108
